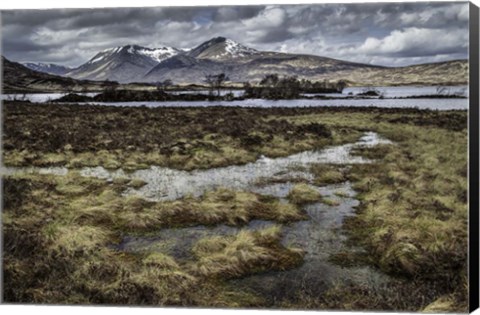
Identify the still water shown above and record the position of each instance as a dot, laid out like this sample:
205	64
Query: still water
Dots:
437	104
388	92
38	97
170	184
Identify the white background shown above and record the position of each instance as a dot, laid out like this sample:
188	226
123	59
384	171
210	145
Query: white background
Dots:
74	310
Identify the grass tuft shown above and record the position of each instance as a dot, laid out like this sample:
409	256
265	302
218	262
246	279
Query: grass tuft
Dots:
303	193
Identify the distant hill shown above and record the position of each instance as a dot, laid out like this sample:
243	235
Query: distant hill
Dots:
453	72
20	79
50	68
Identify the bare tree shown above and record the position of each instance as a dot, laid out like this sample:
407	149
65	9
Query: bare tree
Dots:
216	81
341	84
162	86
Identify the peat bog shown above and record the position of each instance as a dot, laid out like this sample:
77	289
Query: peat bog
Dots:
407	222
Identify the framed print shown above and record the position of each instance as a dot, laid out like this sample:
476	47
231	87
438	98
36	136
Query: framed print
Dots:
317	156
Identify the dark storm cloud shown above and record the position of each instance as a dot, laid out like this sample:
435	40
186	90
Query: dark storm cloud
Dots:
388	34
23	45
229	13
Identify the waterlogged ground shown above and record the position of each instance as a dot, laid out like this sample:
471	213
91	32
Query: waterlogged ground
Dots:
321	238
236	207
162	183
319	235
168	184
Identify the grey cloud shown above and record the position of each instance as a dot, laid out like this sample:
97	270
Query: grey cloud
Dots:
228	13
334	30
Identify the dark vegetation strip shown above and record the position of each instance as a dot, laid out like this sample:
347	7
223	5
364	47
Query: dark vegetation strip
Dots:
49	128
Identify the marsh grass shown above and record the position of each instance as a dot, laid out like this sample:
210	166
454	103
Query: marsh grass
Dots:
419	200
397	294
58	244
413	213
266	181
330	202
412	218
303	193
137	183
376	153
342	194
228	207
326	174
244	253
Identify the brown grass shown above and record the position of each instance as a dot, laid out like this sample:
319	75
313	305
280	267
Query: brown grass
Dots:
57	245
303	193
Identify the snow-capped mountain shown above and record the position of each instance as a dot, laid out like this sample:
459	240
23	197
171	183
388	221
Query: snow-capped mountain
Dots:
123	64
242	64
221	48
50	68
131	63
134	63
155	54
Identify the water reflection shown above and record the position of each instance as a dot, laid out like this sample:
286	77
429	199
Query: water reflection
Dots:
170	184
320	237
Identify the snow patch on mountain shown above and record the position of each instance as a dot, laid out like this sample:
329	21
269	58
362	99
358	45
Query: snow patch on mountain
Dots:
222	48
237	50
158	54
155	54
42	65
97	58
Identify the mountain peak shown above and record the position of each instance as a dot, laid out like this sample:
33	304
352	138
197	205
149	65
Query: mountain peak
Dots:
221	48
156	55
218	39
123	63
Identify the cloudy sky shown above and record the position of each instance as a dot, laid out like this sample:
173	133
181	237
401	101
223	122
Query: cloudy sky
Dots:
391	34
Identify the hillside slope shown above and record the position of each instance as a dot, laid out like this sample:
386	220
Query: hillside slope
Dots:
20	79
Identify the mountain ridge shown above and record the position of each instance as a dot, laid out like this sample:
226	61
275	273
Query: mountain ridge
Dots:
134	63
219	54
50	68
123	63
221	48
